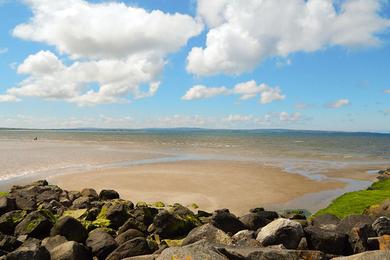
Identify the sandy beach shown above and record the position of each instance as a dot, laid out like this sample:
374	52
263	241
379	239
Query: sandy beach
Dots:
210	184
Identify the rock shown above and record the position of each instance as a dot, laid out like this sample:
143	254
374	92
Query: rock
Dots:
378	210
10	220
7	204
208	233
89	193
70	228
82	203
384	242
330	242
73	195
54	206
143	257
71	250
227	222
244	235
203	214
101	243
281	231
132	223
145	214
29	250
128	235
51	242
108	195
326	221
196	251
270	215
176	222
134	247
370	255
254	221
269	253
49	195
8	243
303	244
25	203
116	213
358	238
36	224
297	214
345	226
382	226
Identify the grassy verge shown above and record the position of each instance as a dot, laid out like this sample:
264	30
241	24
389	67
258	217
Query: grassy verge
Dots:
355	202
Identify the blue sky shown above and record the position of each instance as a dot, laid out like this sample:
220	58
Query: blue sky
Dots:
224	64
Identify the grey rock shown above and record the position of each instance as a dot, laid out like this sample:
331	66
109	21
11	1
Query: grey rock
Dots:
227	221
71	250
70	228
128	235
208	233
51	242
108	195
36	224
101	243
382	226
89	193
281	231
345	226
10	220
29	250
134	247
370	255
331	242
254	221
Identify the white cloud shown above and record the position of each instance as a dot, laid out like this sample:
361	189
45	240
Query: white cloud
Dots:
3	50
238	118
244	33
8	98
339	103
286	117
302	106
202	92
246	90
387	91
115	50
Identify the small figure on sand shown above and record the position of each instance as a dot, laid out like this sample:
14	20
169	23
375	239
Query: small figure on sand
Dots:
35	138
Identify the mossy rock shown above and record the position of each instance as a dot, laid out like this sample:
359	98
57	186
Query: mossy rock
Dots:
75	213
158	204
37	224
173	242
194	206
141	204
10	220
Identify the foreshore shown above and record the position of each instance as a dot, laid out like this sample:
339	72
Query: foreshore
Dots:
236	185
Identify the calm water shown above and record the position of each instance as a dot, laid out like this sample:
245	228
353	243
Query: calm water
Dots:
305	152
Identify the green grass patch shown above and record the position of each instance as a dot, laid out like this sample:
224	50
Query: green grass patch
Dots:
356	202
2	193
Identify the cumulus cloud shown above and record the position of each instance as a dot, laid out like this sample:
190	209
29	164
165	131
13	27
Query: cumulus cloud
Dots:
338	103
8	98
286	117
244	33
202	92
387	91
115	50
245	90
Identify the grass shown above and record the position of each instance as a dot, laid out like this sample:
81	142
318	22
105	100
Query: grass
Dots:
356	202
2	193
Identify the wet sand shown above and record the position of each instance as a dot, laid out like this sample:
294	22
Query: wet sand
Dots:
236	185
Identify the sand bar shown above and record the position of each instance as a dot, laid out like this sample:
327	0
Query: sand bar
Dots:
236	185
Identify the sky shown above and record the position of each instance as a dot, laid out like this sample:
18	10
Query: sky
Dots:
248	64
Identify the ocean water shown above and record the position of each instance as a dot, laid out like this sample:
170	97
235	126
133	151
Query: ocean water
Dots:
305	152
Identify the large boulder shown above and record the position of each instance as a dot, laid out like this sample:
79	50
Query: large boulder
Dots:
326	221
281	231
132	223
71	250
30	250
254	221
134	247
108	195
88	192
227	221
128	235
70	228
176	222
82	203
36	224
8	243
116	212
52	242
10	220
382	226
370	255
378	210
328	241
196	251
101	243
346	224
7	204
208	233
358	238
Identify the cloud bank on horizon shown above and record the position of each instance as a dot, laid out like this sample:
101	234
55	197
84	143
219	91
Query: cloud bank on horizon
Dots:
113	52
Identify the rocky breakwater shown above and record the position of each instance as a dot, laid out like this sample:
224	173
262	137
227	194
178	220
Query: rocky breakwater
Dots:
42	221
